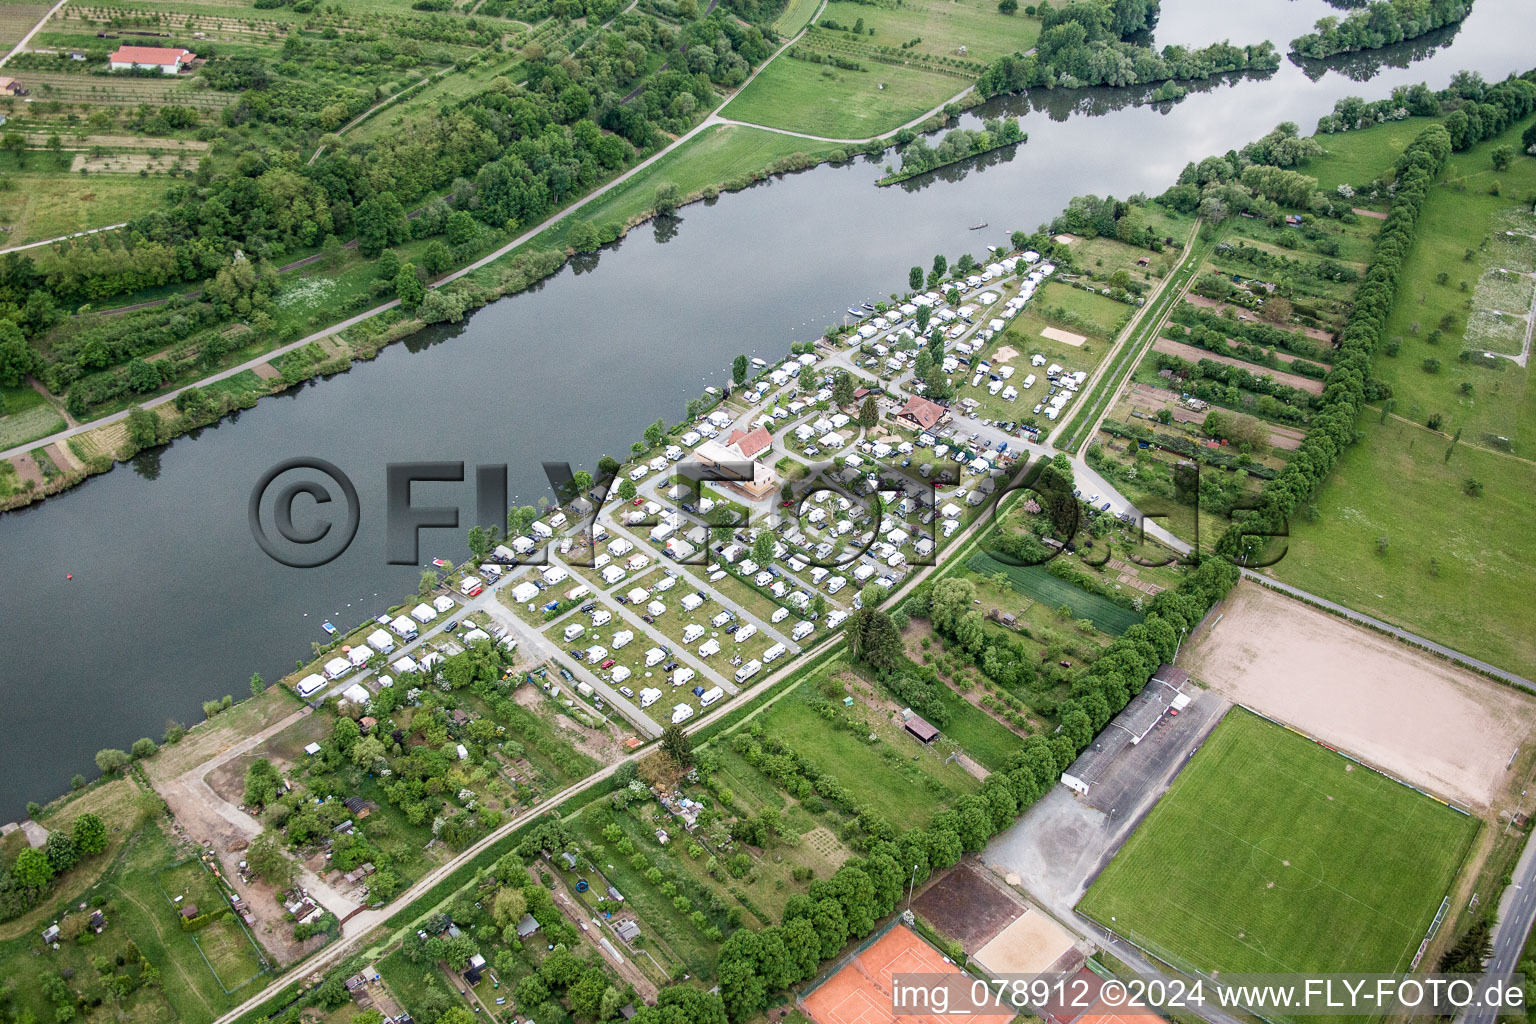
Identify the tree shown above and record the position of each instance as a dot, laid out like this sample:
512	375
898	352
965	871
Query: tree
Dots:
762	547
1469	952
258	685
677	745
142	748
480	541
915	279
90	834
61	852
1473	487
261	783
1008	6
1503	156
332	252
582	480
408	287
111	760
143	429
869	413
266	858
436	258
627	489
667	197
32	870
583	236
842	388
509	906
17	358
874	639
739	370
654	433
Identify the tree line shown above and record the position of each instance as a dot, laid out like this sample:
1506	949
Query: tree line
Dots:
1377	24
816	925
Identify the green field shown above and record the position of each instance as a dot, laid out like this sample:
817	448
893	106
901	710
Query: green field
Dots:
883	775
801	96
25	416
1035	582
942	26
1354	158
797	13
1271	853
1447	553
717	156
1395	533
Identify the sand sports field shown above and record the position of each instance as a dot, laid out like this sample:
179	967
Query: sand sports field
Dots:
1442	728
1032	944
1065	337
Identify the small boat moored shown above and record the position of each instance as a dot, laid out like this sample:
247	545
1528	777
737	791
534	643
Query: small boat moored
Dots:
328	628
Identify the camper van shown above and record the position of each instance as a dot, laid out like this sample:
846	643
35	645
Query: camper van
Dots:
601	617
773	653
471	586
310	683
779	615
744	673
714	693
802	630
655	656
692	633
574	630
709	648
745	633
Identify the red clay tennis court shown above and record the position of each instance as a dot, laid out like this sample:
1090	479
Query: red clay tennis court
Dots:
860	993
1120	1016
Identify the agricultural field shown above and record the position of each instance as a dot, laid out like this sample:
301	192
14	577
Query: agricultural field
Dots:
25	415
839	104
1037	584
47	205
1271	853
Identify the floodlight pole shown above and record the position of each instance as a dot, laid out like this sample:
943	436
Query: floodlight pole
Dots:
911	886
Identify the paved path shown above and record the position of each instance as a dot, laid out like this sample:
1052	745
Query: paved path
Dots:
63	238
1517	910
32	32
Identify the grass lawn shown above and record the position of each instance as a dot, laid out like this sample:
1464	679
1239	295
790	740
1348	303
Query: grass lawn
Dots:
822	100
797	13
1271	853
27	416
47	205
715	156
943	26
1452	223
1447	553
881	775
983	737
1355	158
1105	315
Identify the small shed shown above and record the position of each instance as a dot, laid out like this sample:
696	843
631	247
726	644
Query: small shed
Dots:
920	728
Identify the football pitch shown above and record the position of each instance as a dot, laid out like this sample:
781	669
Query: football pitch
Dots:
1272	854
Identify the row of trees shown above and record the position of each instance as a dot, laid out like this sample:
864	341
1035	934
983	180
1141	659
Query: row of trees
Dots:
957	145
1082	44
1377	24
1333	425
30	877
816	925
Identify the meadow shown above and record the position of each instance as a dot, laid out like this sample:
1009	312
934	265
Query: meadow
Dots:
1271	853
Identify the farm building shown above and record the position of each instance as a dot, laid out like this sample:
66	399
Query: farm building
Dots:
919	727
11	87
168	61
1163	692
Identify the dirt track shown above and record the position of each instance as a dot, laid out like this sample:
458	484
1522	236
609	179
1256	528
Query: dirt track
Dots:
1194	354
1424	720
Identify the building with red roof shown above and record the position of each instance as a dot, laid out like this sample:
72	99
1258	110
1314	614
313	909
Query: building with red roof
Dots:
751	443
922	414
163	58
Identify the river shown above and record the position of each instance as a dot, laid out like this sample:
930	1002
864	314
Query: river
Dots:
172	603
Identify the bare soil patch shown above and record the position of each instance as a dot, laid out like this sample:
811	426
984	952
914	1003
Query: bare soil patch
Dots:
966	905
1194	355
1005	354
1033	944
1065	337
1373	214
1421	719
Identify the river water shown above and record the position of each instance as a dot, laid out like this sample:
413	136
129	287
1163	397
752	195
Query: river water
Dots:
172	603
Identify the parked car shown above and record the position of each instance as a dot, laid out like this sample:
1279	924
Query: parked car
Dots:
606	665
451	625
626	691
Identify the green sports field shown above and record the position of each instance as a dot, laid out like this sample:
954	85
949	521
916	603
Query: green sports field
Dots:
1271	853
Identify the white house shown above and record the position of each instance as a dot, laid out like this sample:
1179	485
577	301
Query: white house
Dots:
166	60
